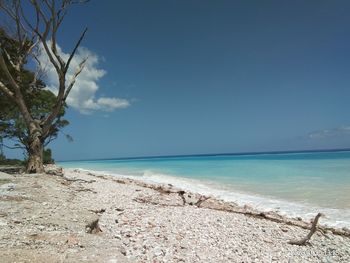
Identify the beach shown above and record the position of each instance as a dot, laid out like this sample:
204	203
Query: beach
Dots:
79	216
295	184
174	131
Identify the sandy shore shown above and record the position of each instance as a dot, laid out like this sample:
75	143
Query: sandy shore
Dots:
82	217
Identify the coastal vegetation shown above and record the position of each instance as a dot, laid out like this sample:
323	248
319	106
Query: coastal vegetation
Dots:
39	101
30	113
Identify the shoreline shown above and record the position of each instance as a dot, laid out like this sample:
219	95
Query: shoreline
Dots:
261	203
80	216
217	203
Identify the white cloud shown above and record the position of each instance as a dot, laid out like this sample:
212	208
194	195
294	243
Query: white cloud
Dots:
106	104
335	132
83	94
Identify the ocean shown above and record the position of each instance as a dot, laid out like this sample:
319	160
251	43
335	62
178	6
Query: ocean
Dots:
294	184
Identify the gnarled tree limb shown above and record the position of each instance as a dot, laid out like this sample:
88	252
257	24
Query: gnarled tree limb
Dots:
305	240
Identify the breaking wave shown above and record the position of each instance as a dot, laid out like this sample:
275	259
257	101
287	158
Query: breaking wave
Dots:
335	217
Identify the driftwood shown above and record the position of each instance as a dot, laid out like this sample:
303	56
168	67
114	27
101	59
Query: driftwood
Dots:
11	169
143	200
93	227
305	240
181	194
81	189
201	200
100	211
233	208
79	180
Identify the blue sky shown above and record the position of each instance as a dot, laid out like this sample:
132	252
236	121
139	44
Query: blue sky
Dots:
183	77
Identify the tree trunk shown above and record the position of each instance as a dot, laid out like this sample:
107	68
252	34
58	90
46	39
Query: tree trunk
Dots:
35	151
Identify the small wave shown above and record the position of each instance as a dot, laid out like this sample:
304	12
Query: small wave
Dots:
334	217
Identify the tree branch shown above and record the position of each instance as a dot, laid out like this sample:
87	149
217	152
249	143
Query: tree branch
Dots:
8	92
74	50
8	75
49	139
76	74
7	10
9	58
62	91
12	147
18	98
19	25
306	239
26	21
54	28
39	10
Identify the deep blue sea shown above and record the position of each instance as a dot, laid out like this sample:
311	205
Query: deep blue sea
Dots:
297	184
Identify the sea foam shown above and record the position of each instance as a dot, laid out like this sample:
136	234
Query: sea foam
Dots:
333	217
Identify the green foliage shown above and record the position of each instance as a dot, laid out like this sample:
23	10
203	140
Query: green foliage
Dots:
47	157
12	162
39	101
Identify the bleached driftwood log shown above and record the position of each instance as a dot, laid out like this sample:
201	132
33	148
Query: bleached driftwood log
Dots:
305	240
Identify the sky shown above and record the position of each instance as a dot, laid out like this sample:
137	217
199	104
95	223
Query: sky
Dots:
197	76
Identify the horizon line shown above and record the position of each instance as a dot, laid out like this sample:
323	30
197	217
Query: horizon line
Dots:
209	154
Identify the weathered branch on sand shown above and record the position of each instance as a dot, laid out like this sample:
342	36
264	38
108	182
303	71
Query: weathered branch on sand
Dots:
201	199
305	240
79	180
93	227
219	205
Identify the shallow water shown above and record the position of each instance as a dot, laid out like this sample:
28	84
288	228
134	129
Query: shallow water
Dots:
298	184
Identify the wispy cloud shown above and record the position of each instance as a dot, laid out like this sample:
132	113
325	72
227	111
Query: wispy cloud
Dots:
330	133
83	95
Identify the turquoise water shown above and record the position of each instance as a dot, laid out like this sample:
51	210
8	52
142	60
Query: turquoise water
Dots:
293	183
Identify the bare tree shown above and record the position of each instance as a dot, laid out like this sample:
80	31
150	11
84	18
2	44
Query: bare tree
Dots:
36	32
